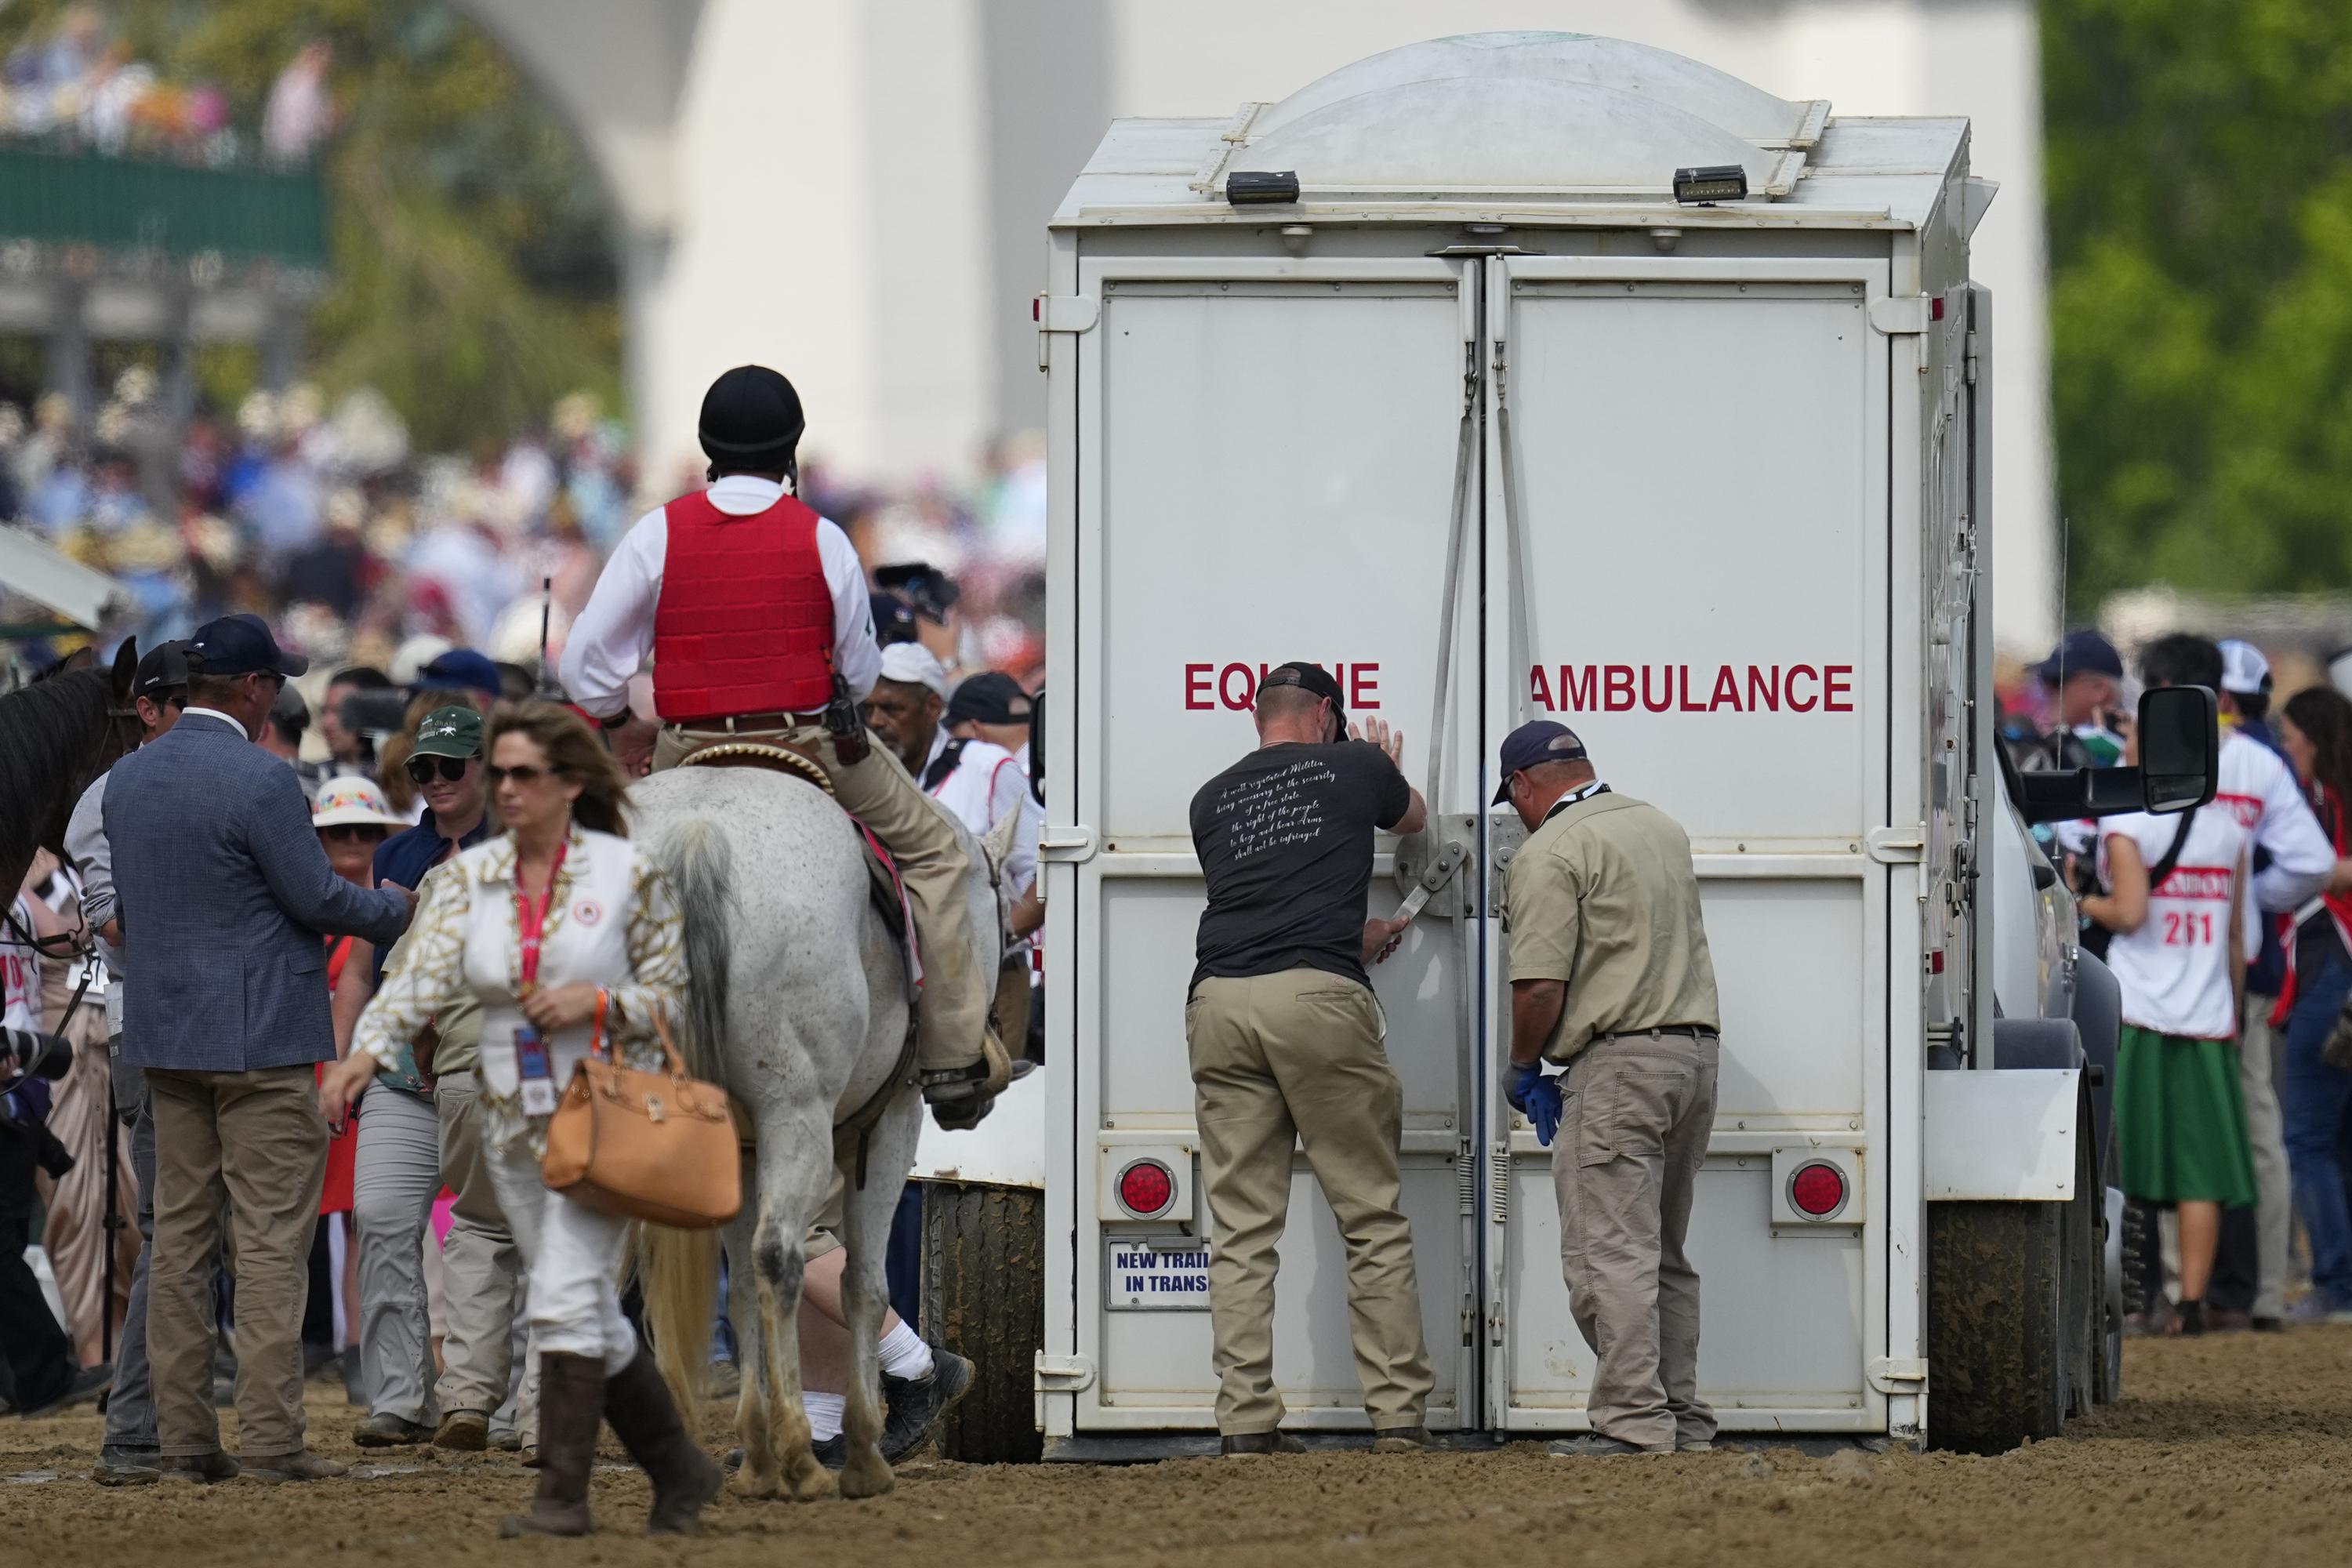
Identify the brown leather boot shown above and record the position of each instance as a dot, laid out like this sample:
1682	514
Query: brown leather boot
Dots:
570	1414
645	1419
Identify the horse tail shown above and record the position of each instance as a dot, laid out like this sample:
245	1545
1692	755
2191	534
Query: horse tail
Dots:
695	856
678	1272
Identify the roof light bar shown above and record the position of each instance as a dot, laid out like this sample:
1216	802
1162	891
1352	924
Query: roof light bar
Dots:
1259	187
1709	184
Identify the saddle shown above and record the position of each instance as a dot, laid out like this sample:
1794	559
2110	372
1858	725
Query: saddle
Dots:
886	890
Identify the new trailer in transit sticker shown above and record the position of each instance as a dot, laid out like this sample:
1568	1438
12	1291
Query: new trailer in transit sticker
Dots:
1166	1275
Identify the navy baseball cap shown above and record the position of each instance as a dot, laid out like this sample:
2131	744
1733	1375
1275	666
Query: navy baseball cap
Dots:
992	697
161	669
893	620
2082	653
240	645
461	669
1532	745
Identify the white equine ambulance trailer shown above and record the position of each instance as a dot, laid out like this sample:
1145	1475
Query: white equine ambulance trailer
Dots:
1434	371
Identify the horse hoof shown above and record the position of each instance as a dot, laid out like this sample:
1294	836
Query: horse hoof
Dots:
866	1474
813	1485
758	1486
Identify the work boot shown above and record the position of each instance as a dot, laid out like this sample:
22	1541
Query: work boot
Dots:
570	1414
121	1465
918	1405
961	1098
385	1430
86	1386
299	1466
1592	1445
462	1431
645	1419
1402	1440
201	1468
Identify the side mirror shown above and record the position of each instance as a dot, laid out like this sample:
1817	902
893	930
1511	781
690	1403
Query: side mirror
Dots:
2178	770
2180	747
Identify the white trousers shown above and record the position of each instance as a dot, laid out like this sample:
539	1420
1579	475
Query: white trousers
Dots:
573	1255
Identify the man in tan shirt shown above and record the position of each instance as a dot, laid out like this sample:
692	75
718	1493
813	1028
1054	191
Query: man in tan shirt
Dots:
1610	980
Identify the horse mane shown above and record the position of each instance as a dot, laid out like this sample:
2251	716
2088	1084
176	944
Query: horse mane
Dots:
47	732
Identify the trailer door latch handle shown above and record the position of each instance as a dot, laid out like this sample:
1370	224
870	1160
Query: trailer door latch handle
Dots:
1896	845
1063	1374
1898	1374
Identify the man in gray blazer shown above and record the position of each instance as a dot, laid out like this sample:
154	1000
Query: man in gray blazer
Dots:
223	898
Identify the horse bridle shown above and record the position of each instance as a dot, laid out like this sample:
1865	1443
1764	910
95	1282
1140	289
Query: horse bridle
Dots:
74	942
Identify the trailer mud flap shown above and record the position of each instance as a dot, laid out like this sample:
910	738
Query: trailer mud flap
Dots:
2003	1136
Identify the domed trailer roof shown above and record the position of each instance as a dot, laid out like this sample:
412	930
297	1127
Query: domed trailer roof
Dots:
1559	128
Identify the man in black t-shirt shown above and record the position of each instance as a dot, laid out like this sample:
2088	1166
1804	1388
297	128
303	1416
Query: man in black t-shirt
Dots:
1285	1037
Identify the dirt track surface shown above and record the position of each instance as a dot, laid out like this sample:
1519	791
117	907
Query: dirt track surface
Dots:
2233	1450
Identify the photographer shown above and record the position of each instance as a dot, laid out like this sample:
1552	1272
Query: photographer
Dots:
35	1350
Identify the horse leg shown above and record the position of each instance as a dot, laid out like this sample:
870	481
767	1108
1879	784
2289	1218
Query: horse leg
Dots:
865	1289
757	1478
795	1158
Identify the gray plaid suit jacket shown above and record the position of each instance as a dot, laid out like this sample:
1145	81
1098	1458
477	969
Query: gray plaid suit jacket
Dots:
225	895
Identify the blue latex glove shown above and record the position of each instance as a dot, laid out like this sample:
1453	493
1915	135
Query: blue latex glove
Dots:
1534	1095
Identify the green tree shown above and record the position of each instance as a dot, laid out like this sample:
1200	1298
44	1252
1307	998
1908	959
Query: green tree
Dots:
473	280
2200	174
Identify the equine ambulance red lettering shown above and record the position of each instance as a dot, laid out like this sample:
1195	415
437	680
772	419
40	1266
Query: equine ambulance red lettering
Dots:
1692	687
1231	685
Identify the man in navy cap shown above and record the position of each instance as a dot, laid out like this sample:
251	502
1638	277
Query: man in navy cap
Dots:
755	613
1287	1047
222	893
2083	676
1611	980
462	670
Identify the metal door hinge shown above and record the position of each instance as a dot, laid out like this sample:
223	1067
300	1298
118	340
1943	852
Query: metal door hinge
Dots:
1898	314
1970	361
1495	1325
1898	1374
1061	313
1066	845
1896	845
1063	1374
1067	313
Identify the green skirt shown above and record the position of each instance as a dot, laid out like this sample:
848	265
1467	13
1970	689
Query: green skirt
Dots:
2180	1120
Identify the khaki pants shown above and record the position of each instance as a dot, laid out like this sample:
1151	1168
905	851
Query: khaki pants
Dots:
256	1138
953	1017
482	1267
1634	1134
1296	1058
2258	1047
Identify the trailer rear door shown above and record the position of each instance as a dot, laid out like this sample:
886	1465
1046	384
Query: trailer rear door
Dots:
1692	570
1266	456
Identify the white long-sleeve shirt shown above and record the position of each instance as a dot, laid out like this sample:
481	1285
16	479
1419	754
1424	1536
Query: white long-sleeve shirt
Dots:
2259	790
613	636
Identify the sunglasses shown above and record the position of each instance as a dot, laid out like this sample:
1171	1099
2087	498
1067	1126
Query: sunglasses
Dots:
352	832
421	769
526	775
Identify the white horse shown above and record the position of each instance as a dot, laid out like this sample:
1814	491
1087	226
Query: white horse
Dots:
798	1006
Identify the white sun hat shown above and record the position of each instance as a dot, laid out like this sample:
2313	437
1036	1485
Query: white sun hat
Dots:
352	801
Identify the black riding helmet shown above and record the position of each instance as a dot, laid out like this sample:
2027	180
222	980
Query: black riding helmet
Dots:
752	423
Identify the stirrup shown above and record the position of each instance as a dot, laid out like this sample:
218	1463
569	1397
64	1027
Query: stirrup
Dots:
961	1097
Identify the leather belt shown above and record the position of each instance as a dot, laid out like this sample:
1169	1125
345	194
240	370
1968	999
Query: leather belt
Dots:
736	723
1689	1031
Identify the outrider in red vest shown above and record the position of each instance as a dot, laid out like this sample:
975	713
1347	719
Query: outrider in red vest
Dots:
745	621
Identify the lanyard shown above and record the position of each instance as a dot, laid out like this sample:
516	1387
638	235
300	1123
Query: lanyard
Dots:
1582	792
531	918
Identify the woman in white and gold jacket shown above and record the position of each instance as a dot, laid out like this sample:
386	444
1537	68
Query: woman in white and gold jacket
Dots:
566	931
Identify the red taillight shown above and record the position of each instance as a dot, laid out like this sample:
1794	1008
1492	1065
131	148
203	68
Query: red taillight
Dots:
1817	1191
1146	1189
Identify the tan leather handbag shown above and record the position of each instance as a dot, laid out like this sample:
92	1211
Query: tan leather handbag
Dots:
656	1146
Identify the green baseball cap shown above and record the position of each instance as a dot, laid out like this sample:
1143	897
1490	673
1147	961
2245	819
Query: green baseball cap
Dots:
452	731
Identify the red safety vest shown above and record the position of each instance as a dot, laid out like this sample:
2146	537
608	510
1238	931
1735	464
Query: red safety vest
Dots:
745	620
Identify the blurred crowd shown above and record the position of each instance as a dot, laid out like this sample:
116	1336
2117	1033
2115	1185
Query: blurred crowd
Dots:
318	517
76	84
2229	931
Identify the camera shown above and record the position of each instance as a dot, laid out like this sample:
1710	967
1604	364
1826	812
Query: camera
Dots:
373	714
29	1053
931	592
